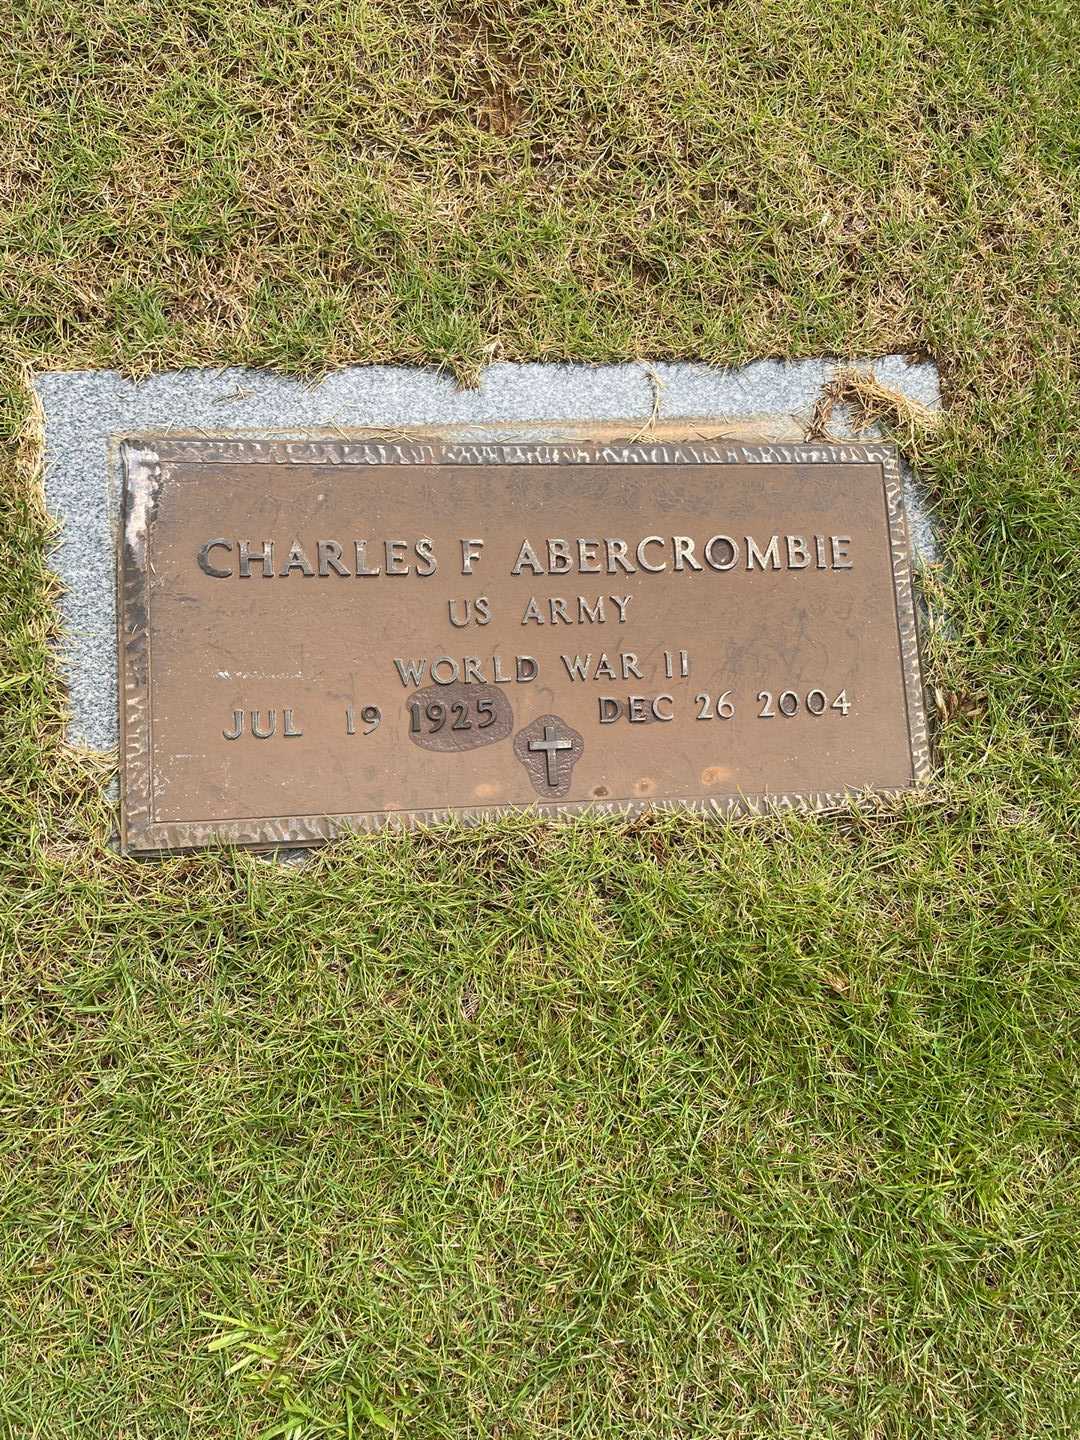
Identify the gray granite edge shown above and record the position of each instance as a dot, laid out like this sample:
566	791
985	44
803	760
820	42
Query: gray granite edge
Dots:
86	413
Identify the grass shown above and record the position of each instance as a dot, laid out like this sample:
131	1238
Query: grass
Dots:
649	1129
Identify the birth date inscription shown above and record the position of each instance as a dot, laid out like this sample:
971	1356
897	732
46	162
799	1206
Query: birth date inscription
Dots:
332	633
458	716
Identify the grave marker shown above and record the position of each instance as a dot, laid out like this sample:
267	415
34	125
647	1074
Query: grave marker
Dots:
333	633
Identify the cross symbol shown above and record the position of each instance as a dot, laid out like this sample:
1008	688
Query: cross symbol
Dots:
551	745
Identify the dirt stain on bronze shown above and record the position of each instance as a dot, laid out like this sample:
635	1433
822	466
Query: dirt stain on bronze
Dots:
714	775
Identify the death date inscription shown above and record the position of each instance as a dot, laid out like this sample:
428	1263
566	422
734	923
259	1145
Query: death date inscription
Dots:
329	634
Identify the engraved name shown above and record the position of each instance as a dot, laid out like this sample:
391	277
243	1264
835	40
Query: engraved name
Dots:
223	558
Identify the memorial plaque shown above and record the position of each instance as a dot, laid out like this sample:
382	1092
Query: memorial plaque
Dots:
338	632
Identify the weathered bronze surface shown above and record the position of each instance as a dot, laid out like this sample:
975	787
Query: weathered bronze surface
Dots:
334	633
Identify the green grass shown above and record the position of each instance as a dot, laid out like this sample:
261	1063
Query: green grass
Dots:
649	1129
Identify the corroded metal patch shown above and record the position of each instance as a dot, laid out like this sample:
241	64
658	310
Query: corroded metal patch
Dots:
459	716
335	633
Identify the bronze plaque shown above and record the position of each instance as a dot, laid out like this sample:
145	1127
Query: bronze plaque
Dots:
334	633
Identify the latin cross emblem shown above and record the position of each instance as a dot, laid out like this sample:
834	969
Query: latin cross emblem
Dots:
549	749
552	743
